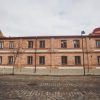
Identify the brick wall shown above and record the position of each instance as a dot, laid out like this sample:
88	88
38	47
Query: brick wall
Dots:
52	51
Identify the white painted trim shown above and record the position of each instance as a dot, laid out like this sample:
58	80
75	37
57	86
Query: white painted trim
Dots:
41	67
97	67
36	67
70	67
41	50
29	51
32	51
53	50
70	50
46	67
24	67
28	67
97	50
4	51
6	66
36	51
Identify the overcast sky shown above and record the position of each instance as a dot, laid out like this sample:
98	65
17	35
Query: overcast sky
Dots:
48	17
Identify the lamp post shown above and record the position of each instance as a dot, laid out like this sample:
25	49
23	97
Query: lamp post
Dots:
83	32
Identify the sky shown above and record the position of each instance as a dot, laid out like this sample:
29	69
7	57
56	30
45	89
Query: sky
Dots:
48	17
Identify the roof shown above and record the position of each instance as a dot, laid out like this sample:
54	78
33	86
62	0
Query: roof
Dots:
96	32
41	37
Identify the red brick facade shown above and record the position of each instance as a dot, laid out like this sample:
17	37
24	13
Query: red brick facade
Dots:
52	51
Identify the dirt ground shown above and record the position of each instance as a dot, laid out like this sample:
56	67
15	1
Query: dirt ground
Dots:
21	87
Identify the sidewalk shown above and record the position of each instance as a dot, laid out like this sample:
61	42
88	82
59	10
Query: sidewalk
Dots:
28	71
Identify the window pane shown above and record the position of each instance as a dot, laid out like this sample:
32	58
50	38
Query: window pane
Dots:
0	59
77	60
30	44
98	58
29	60
11	44
41	60
98	43
63	44
42	44
76	43
1	44
64	59
10	60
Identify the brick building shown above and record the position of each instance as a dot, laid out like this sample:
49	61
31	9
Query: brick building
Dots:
51	55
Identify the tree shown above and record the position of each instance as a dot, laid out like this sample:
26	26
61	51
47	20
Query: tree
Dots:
17	49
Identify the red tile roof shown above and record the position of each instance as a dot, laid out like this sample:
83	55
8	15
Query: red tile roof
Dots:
96	32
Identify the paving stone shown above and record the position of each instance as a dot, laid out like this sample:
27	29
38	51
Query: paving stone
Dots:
49	87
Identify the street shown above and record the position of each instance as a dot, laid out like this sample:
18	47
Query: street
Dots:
21	87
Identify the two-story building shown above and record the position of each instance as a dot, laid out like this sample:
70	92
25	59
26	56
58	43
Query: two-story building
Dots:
51	55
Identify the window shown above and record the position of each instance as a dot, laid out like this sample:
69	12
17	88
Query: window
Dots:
42	60
76	43
11	44
63	44
1	44
0	59
10	59
64	59
77	60
98	43
98	59
30	60
30	44
42	43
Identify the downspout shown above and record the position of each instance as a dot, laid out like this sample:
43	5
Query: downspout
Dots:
35	53
87	54
50	54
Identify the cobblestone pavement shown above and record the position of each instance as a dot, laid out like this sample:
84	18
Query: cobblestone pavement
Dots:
19	87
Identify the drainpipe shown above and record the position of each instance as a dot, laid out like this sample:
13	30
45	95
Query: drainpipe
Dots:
87	54
51	53
35	54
